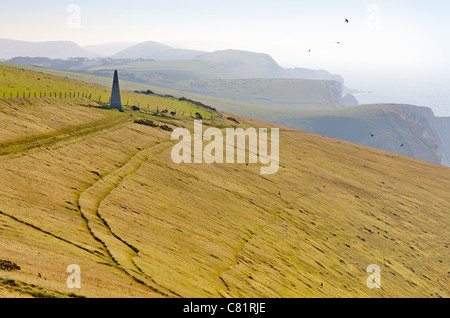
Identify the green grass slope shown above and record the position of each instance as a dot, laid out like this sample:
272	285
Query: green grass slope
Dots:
105	195
25	82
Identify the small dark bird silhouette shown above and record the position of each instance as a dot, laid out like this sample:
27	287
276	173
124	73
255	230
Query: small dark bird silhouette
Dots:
309	51
402	145
372	135
346	20
338	42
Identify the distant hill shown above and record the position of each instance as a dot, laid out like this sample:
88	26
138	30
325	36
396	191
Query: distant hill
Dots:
156	51
53	49
174	70
245	65
108	49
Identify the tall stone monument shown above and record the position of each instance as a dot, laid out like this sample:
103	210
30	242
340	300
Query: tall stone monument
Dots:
115	94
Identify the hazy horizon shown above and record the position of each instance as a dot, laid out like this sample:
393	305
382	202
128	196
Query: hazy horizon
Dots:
385	45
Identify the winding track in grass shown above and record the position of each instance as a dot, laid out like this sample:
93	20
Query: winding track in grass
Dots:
89	203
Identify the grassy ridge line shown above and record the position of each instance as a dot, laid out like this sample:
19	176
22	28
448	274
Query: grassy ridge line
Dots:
46	140
89	203
27	79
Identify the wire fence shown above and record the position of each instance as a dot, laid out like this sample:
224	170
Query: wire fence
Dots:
92	96
104	99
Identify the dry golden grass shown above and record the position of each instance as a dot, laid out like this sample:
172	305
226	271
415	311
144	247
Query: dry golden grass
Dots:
111	200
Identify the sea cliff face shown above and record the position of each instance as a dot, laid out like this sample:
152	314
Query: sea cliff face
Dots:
442	125
434	128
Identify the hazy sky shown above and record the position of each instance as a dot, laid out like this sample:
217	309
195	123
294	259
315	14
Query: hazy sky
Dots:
410	36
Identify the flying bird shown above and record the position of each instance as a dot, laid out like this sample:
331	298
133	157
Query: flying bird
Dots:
346	20
402	145
338	42
372	135
309	51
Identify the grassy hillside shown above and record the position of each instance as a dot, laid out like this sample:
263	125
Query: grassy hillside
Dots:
21	82
390	123
104	194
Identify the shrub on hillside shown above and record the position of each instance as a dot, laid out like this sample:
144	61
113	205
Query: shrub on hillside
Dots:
146	122
166	128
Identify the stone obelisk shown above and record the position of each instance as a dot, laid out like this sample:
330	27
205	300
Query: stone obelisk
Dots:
115	94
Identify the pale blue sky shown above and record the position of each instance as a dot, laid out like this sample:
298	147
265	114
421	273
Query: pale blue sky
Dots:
410	36
408	31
